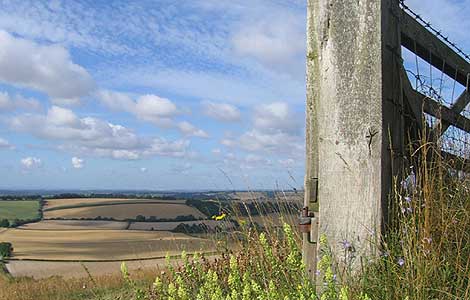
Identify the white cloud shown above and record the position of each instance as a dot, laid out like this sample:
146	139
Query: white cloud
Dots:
151	108
61	116
92	136
276	117
77	163
255	140
287	163
31	162
221	111
228	142
275	41
143	170
4	144
45	68
190	130
275	129
18	102
216	151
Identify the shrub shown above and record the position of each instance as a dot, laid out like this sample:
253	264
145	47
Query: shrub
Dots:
5	250
4	223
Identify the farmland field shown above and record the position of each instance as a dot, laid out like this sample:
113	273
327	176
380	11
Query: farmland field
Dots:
125	211
56	203
99	245
19	209
74	225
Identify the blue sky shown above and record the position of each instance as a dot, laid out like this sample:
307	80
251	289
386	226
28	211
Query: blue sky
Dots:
159	95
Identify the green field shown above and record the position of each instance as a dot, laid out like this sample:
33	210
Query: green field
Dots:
22	210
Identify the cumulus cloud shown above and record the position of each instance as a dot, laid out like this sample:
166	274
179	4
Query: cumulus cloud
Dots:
276	42
31	162
17	102
221	111
143	170
276	117
94	136
77	163
275	129
4	144
190	130
49	69
151	108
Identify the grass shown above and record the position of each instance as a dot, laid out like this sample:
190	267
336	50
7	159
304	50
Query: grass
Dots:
22	210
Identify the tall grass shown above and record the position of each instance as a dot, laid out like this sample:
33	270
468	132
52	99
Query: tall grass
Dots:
426	250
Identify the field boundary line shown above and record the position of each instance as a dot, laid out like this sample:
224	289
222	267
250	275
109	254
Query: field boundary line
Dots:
173	256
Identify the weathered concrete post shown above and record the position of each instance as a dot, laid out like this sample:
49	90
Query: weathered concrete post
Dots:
354	126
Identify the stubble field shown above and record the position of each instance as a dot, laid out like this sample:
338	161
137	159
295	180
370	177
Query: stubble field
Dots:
59	247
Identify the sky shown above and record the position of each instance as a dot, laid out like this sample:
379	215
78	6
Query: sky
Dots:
160	95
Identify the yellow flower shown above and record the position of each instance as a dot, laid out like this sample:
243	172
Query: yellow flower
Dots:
220	217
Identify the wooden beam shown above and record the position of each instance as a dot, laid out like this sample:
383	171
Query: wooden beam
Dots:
457	108
440	111
449	116
416	38
416	106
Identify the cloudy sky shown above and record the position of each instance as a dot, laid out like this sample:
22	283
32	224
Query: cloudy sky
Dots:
160	95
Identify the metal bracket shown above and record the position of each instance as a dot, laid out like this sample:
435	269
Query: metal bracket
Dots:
308	223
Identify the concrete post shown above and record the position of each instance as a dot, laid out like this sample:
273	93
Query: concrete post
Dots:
354	125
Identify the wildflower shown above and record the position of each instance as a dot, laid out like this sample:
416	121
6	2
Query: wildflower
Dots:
323	240
219	217
386	254
408	199
401	262
409	183
347	245
317	272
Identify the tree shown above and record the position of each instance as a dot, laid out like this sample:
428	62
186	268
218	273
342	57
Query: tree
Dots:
5	250
4	223
140	218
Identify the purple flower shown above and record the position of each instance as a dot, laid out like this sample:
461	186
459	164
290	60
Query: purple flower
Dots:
317	272
346	244
408	199
400	262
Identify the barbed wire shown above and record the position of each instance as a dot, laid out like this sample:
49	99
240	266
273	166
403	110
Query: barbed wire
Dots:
432	29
